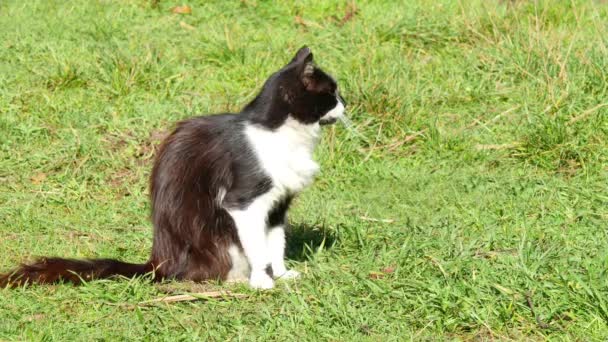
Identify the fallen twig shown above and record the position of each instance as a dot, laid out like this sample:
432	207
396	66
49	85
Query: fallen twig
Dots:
193	296
365	218
306	23
183	24
185	9
482	147
586	113
477	121
540	323
436	263
400	142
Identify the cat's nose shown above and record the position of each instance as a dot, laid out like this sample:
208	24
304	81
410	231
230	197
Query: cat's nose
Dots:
341	99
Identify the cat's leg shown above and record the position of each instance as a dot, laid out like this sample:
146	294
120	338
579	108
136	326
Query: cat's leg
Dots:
275	240
251	229
240	271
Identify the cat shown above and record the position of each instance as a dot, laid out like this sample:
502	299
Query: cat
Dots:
221	186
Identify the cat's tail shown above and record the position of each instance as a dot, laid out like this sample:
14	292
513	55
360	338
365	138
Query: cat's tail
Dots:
52	270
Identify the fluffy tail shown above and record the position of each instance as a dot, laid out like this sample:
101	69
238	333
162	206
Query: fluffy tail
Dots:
52	270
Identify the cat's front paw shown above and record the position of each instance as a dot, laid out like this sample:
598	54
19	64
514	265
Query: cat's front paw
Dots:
291	274
261	281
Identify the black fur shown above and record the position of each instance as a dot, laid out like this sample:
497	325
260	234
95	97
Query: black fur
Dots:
277	216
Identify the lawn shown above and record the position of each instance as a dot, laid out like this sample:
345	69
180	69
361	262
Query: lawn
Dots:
468	200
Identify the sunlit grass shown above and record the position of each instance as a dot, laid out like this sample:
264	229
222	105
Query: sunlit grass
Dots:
471	177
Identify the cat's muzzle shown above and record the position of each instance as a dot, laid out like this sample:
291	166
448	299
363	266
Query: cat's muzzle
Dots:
327	121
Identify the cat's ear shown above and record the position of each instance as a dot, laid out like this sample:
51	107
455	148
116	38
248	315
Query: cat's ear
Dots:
305	67
307	76
303	56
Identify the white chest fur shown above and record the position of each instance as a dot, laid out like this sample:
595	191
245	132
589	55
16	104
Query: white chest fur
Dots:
286	153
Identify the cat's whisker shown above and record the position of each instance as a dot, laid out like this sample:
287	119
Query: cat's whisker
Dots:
350	127
346	121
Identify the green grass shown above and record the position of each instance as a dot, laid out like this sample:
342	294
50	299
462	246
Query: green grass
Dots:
478	175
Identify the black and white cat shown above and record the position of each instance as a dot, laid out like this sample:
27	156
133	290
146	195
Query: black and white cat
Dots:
221	186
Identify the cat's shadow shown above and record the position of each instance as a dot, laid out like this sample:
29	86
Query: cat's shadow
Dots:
305	239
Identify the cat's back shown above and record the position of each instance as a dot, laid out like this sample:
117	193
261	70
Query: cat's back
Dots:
198	147
203	134
211	125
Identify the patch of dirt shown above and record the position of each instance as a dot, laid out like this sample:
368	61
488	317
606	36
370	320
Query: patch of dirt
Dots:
145	151
149	147
569	167
350	12
122	177
116	142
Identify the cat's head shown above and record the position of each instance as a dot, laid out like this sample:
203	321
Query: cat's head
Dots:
302	91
